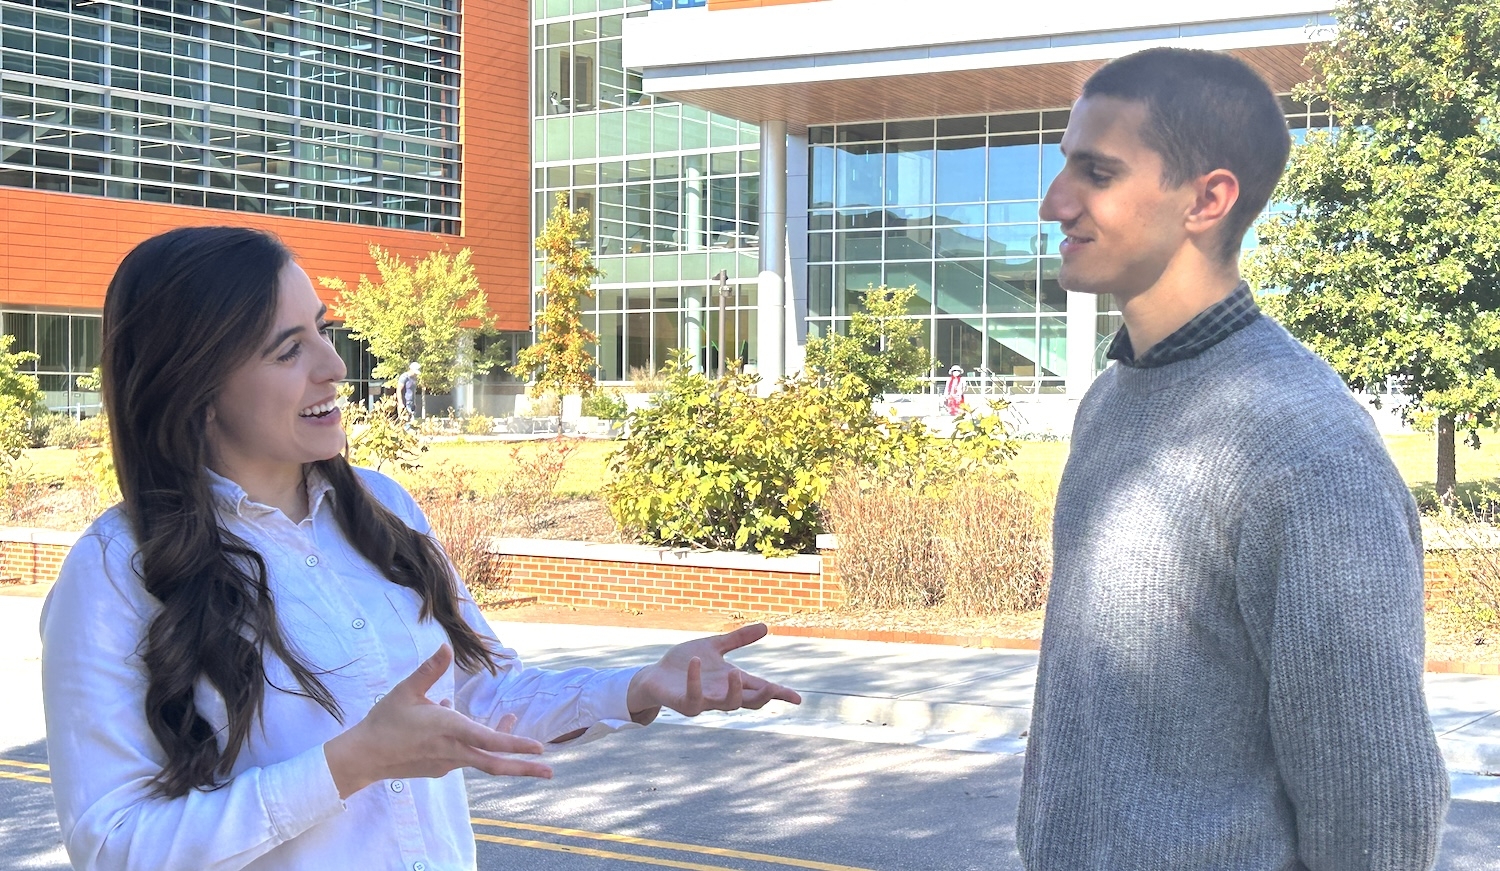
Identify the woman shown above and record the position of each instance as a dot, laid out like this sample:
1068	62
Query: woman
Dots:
261	659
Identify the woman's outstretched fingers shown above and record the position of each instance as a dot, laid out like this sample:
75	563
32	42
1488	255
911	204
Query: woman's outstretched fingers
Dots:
428	673
741	637
692	702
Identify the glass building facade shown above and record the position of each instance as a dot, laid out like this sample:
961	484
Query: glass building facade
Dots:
672	192
948	206
344	110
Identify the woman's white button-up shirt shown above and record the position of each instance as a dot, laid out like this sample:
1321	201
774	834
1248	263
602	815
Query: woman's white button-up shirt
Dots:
279	808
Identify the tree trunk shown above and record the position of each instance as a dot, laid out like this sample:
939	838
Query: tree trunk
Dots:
1447	471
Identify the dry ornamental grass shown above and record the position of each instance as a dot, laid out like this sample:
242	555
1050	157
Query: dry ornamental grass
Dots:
980	547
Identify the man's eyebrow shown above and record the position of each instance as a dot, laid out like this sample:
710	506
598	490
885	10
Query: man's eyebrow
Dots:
1102	161
289	332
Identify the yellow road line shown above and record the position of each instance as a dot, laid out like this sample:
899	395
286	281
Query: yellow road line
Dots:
568	833
32	765
598	854
668	845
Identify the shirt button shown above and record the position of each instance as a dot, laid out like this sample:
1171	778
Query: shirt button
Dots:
419	866
397	786
359	623
379	696
312	561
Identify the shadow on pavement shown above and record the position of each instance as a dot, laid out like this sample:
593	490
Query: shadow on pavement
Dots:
888	808
29	837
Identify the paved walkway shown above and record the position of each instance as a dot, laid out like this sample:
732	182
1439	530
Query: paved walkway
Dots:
920	694
951	697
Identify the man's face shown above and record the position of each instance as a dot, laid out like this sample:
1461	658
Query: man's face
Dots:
1122	226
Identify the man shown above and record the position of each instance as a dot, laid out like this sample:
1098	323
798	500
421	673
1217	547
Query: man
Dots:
406	388
1231	667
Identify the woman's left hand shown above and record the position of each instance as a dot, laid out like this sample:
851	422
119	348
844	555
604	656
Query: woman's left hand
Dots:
694	677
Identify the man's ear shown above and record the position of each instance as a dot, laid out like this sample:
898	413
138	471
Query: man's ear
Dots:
1215	194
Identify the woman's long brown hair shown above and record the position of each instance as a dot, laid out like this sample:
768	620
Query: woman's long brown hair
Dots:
183	311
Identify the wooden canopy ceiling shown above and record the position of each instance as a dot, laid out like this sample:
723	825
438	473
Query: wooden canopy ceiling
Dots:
929	95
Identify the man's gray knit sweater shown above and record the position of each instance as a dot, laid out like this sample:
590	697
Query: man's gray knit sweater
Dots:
1231	668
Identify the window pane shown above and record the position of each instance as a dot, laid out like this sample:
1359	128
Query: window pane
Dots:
1014	162
86	340
859	175
960	171
959	286
1054	335
960	242
908	173
1013	352
611	347
1011	286
957	343
821	178
52	342
638	341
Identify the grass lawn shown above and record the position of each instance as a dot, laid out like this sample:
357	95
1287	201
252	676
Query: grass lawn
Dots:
51	464
1038	464
582	476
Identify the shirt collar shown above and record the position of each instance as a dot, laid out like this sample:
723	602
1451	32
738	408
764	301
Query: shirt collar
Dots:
232	497
1208	328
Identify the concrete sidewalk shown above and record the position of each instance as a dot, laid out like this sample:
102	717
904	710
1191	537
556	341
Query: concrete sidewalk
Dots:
949	697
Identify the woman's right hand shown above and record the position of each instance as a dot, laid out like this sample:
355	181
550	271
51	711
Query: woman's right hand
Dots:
406	734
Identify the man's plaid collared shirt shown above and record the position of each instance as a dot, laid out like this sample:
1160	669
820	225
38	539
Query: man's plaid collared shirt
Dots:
1211	326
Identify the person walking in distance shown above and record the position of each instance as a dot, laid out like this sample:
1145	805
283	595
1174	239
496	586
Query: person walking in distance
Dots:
406	388
1230	673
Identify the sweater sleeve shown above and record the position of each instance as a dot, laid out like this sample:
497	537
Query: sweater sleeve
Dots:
1329	578
103	755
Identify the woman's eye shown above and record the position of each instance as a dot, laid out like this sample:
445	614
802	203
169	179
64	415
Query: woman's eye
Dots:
326	332
1098	178
291	353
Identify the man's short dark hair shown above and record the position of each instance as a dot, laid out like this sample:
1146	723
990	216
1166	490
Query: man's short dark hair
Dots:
1205	111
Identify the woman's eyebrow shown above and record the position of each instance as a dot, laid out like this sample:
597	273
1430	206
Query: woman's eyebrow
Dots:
290	331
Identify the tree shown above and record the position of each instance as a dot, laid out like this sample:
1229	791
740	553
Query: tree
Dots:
559	359
1388	253
883	349
419	312
20	401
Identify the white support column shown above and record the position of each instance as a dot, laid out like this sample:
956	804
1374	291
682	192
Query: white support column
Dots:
795	348
693	330
463	388
770	310
1083	324
694	326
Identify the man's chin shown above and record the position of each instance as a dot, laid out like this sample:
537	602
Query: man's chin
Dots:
1074	281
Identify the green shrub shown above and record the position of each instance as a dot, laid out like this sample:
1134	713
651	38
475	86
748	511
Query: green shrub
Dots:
714	464
606	404
478	424
63	431
381	435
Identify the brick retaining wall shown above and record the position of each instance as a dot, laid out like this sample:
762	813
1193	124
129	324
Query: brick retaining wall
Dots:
617	575
652	578
32	556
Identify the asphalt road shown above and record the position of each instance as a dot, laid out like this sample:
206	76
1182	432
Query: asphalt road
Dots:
714	799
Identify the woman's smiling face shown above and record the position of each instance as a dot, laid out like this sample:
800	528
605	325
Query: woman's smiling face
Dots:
277	410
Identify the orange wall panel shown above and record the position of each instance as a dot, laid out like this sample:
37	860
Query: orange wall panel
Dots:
59	250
